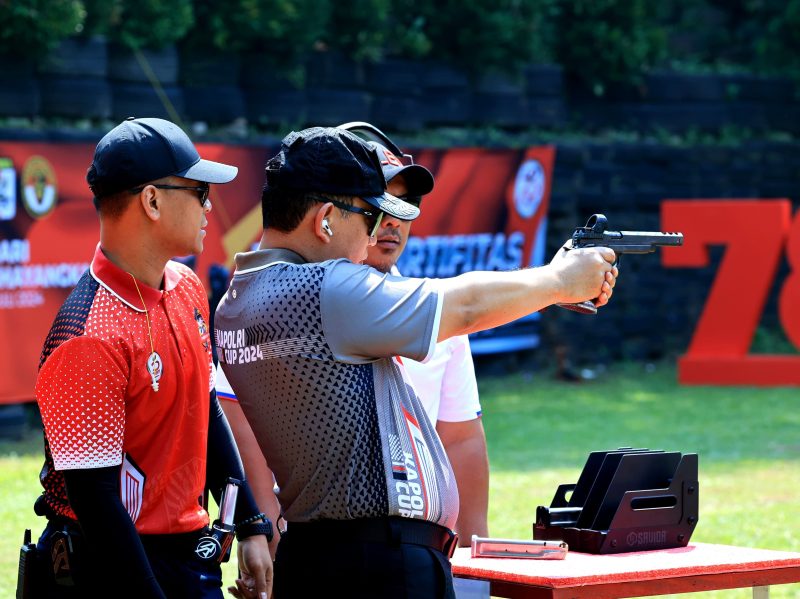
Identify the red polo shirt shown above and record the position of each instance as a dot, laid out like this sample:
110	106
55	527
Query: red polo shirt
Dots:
98	404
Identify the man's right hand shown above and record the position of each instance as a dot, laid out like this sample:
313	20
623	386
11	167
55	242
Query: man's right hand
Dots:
479	300
585	274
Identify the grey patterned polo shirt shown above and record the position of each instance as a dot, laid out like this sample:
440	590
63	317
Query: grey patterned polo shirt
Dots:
307	350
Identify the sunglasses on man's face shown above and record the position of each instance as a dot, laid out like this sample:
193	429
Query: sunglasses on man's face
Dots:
373	218
202	191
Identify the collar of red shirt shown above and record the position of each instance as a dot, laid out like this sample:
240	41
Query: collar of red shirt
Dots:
121	284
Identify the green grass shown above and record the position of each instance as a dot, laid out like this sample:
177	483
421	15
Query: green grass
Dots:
20	463
540	432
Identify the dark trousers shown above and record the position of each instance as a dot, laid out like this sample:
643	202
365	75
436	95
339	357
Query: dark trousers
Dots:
179	573
310	564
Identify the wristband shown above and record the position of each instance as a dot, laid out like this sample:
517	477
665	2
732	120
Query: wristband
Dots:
249	529
259	516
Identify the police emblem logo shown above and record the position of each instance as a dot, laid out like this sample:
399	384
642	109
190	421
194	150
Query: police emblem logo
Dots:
201	323
38	187
529	188
203	328
155	367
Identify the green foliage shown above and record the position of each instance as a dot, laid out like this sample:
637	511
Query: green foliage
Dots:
31	28
489	35
725	39
150	23
284	29
751	35
778	49
408	29
213	28
281	33
281	29
98	14
600	42
359	28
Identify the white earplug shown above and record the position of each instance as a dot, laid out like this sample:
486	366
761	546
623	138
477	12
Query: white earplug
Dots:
326	227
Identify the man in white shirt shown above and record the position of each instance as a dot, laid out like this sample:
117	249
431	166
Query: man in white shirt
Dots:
445	384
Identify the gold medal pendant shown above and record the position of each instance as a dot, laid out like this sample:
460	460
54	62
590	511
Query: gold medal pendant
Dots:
155	367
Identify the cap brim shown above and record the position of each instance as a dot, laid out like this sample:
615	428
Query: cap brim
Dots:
419	180
394	206
209	171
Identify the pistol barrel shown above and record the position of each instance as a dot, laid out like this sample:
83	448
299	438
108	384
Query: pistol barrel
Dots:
654	238
627	242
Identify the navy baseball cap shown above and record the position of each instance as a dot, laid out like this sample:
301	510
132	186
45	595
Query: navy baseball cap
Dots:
419	180
138	151
335	161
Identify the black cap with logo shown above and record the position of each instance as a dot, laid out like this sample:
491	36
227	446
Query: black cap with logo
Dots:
335	161
138	151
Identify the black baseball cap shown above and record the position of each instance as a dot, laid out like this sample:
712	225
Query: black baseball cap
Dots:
419	180
335	161
138	151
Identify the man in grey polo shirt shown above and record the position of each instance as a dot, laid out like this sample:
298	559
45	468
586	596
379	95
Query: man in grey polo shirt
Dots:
306	336
446	383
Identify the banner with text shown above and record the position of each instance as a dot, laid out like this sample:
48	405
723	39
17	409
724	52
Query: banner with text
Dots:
488	211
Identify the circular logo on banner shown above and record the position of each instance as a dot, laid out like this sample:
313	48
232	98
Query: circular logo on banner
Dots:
529	188
38	186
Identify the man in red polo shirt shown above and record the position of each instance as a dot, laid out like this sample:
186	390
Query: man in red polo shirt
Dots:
133	431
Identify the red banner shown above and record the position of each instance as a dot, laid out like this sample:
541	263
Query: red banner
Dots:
488	211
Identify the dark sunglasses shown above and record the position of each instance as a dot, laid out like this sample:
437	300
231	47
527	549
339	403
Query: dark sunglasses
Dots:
202	192
413	200
373	218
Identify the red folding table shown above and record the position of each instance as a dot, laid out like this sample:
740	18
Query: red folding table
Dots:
697	567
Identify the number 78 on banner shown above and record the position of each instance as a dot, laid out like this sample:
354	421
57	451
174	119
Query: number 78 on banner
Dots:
755	235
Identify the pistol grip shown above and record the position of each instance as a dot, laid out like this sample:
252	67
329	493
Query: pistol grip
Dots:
586	307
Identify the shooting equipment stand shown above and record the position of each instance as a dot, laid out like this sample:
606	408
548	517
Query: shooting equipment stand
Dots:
625	500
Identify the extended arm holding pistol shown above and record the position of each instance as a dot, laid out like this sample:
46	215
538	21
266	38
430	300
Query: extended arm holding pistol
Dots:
595	234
